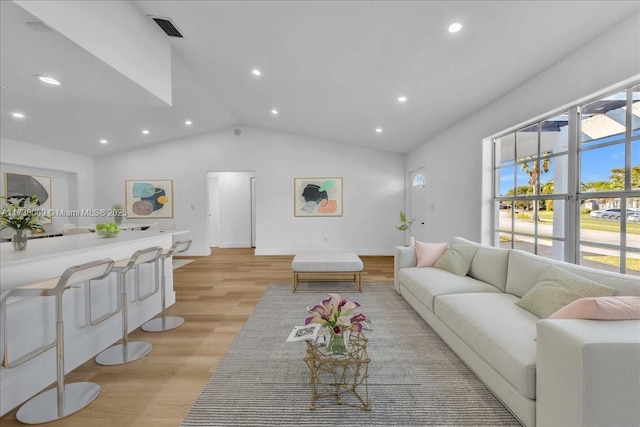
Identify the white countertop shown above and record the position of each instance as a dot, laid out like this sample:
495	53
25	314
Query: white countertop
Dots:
39	249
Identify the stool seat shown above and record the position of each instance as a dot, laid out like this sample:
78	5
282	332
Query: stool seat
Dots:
121	263
44	285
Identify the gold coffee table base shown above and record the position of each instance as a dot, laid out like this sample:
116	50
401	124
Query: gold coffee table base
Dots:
337	378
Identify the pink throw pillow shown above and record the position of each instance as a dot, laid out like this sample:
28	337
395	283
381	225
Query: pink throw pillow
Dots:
601	308
429	253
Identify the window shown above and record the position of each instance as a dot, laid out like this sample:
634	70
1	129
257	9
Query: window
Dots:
418	180
568	186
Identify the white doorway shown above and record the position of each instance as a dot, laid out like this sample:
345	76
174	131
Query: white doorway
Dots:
213	224
231	213
418	203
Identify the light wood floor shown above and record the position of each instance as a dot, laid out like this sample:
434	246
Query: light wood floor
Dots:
215	295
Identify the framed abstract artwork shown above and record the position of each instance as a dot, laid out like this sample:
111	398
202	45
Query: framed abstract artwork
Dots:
22	186
317	196
149	198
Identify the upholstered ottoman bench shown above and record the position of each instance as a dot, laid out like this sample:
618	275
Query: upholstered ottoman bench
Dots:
329	263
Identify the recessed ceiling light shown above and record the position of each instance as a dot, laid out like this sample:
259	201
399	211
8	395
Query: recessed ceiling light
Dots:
274	112
256	72
455	27
378	130
104	141
145	131
48	80
187	122
402	99
18	115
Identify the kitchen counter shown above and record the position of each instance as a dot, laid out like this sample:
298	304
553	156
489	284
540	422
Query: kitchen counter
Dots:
31	321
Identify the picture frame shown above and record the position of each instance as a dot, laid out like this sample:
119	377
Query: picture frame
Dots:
318	197
24	185
149	198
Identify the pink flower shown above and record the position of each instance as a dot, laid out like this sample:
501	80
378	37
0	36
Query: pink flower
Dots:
358	318
334	312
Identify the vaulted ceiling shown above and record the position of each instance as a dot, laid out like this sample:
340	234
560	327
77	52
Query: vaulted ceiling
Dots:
332	70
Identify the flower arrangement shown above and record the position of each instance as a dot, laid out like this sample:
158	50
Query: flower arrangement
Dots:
336	314
21	213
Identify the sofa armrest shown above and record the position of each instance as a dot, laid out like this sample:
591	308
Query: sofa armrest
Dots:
404	256
588	373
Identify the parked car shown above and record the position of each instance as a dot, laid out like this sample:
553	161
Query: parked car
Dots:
633	216
613	213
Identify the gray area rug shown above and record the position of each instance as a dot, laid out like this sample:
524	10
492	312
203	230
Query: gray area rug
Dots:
415	379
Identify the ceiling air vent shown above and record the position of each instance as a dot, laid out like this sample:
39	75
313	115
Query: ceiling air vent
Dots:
167	26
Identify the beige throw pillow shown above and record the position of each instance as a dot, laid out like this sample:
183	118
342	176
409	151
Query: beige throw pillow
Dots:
457	259
556	288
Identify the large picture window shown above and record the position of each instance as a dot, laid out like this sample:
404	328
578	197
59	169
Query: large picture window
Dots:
568	186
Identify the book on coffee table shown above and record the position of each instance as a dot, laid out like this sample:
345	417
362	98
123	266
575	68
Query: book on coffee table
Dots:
305	333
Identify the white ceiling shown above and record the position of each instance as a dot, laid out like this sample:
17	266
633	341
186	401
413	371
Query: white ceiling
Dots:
332	69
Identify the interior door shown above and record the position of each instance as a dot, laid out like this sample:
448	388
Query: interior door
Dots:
418	204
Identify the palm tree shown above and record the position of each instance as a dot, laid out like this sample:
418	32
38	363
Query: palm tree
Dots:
534	169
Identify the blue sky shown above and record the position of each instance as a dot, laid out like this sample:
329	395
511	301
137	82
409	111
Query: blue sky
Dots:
596	165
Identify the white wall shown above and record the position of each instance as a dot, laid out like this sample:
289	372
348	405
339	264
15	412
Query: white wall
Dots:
458	180
71	176
373	187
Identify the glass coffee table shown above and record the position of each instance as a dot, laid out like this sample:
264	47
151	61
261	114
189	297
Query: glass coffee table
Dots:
338	379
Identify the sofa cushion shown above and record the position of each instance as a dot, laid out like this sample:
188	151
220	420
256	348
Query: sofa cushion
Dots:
489	264
602	308
556	288
498	331
427	283
457	259
525	268
428	253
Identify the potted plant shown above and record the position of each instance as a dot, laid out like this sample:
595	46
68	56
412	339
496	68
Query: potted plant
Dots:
405	223
21	214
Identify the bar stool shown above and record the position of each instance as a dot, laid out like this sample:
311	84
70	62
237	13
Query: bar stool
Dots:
67	399
165	323
126	351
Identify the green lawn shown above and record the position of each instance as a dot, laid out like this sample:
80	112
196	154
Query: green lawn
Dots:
632	263
589	223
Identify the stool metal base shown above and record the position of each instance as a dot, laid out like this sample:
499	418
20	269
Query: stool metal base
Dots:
119	355
163	324
44	407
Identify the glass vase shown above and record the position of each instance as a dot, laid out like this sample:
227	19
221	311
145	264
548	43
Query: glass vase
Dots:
19	240
336	343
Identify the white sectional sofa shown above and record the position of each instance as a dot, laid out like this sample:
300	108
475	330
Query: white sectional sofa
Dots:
562	372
